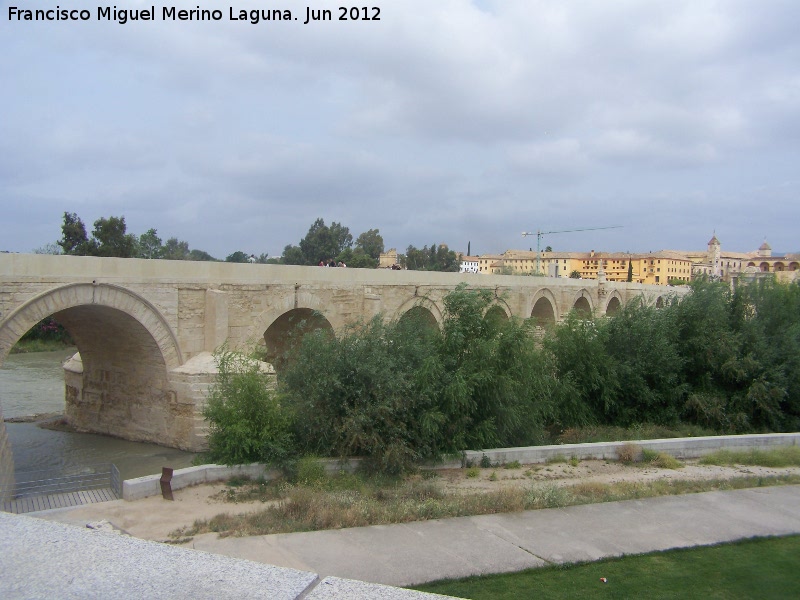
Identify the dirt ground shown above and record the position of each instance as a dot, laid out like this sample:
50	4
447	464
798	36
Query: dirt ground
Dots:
154	518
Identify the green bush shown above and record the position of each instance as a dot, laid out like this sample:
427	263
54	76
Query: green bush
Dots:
247	423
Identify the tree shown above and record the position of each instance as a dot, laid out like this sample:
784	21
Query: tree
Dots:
52	248
436	258
150	245
323	243
293	255
200	255
109	238
548	249
73	235
371	242
175	249
630	271
575	274
237	257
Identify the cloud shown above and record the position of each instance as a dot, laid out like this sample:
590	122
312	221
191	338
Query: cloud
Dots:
444	121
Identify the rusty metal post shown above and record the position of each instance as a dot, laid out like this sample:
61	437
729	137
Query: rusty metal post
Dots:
166	486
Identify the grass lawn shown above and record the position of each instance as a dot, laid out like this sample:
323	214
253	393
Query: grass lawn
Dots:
756	568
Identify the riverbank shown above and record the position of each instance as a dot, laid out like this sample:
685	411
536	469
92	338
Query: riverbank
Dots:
247	508
32	346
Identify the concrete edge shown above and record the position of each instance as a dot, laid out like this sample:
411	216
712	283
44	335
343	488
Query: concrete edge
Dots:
681	448
150	485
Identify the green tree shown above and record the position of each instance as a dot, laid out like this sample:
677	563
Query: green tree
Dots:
434	258
74	239
293	255
109	238
371	244
237	257
575	274
200	255
150	245
175	249
630	271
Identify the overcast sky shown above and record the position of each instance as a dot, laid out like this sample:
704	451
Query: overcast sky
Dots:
447	121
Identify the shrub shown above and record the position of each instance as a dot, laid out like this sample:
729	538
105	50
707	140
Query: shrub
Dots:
629	453
246	421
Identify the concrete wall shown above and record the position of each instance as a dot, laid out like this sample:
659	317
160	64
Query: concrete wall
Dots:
678	447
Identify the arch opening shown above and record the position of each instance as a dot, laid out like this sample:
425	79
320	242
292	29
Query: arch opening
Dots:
287	332
420	318
118	382
495	317
543	313
613	307
582	308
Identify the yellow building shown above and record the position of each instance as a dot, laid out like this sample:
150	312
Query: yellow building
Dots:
657	268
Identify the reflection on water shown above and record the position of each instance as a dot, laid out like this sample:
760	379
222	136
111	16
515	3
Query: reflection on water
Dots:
34	383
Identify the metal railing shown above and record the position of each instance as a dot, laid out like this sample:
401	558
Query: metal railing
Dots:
43	483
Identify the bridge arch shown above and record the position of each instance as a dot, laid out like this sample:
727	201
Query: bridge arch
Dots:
614	305
422	307
497	313
119	382
583	304
63	299
544	308
288	329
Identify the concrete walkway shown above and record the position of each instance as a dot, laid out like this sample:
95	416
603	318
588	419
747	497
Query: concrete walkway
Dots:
353	563
402	555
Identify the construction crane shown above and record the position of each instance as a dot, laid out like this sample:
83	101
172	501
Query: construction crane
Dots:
538	233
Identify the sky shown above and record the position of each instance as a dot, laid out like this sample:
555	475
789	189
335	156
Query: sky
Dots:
449	121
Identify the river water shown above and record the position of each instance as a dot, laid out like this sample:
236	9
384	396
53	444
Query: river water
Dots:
33	384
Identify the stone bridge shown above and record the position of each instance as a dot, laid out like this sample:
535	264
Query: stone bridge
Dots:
145	329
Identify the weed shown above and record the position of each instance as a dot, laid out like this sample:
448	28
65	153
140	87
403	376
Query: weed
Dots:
493	476
473	472
573	461
309	471
558	458
629	453
662	460
238	481
486	462
512	465
786	456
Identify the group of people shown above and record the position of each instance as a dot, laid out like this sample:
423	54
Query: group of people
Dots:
331	263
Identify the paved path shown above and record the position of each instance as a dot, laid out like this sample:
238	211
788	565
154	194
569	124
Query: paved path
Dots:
414	553
62	500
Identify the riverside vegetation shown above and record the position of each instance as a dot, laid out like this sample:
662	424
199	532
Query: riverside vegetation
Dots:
400	393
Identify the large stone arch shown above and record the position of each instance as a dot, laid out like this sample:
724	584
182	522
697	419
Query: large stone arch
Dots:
119	382
66	297
417	303
544	308
614	304
288	329
497	313
582	304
